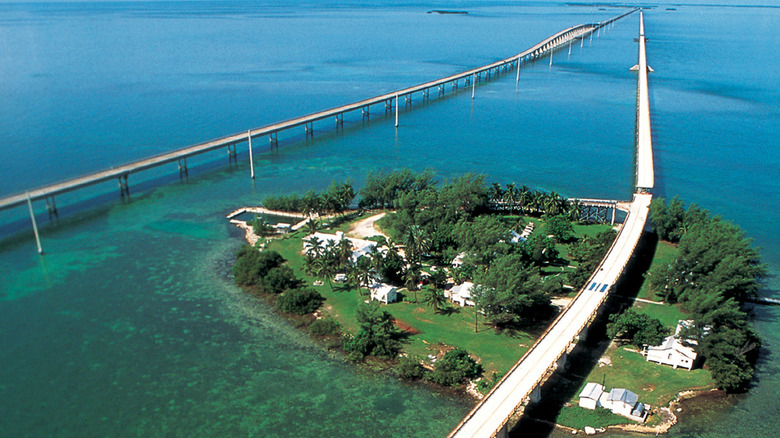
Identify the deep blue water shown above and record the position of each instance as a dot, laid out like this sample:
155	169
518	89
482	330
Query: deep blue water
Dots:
129	324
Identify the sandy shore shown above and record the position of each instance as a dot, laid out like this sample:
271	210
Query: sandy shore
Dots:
367	228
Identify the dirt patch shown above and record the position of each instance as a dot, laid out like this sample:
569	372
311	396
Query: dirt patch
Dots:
366	228
406	327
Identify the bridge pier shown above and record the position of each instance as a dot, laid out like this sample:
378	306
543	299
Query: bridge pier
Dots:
364	112
51	207
536	394
339	121
273	139
396	110
231	150
503	432
251	160
560	364
407	99
388	105
441	89
309	129
425	94
183	168
124	189
34	224
454	85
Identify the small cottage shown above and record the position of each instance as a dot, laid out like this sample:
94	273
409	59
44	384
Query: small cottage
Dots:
384	293
590	396
461	294
624	402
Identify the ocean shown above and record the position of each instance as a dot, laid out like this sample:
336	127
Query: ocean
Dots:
129	324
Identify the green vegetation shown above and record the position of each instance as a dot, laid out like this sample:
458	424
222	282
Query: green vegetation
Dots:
715	271
336	199
454	368
300	301
636	328
378	336
429	228
578	418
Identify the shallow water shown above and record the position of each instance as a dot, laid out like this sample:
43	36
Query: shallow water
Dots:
130	325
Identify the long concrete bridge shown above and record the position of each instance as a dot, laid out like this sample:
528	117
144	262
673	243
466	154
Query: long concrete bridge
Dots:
385	101
523	382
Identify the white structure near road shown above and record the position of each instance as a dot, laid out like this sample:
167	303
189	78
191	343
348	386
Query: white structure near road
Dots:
360	247
672	351
589	397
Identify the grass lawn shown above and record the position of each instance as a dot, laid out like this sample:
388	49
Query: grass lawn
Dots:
655	384
665	253
668	314
578	418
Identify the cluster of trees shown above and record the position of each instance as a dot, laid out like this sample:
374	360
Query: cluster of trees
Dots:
384	189
377	335
266	272
523	200
636	329
588	253
715	271
336	199
454	368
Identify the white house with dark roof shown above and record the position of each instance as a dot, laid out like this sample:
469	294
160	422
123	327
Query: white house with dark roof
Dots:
461	294
360	247
624	402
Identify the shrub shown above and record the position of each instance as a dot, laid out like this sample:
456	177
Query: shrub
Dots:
279	279
325	327
300	301
253	265
454	368
410	368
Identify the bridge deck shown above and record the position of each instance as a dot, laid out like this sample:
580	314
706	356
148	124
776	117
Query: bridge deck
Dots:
550	43
490	415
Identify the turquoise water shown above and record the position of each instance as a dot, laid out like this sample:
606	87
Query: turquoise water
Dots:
130	325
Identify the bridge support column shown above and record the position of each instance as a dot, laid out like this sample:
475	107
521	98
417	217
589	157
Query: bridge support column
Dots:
407	100
183	168
455	85
536	394
231	150
364	112
441	89
388	105
503	432
124	189
473	87
425	94
339	121
273	139
561	362
34	224
251	160
51	207
396	110
309	128
583	334
517	78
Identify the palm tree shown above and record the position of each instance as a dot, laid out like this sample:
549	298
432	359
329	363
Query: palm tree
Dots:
495	192
510	196
435	298
412	278
362	271
314	247
325	270
343	252
524	197
574	209
552	203
417	243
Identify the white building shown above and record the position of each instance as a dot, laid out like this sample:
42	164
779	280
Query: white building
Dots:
620	401
672	351
461	294
590	396
384	293
457	262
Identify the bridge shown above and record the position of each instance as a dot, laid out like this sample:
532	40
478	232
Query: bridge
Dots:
523	382
385	101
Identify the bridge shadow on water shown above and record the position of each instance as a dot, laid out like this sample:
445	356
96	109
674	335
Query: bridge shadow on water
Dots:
539	419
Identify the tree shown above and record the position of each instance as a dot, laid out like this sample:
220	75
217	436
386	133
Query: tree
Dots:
636	329
417	243
435	299
454	368
278	280
377	336
560	227
300	301
412	276
511	293
252	265
410	368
